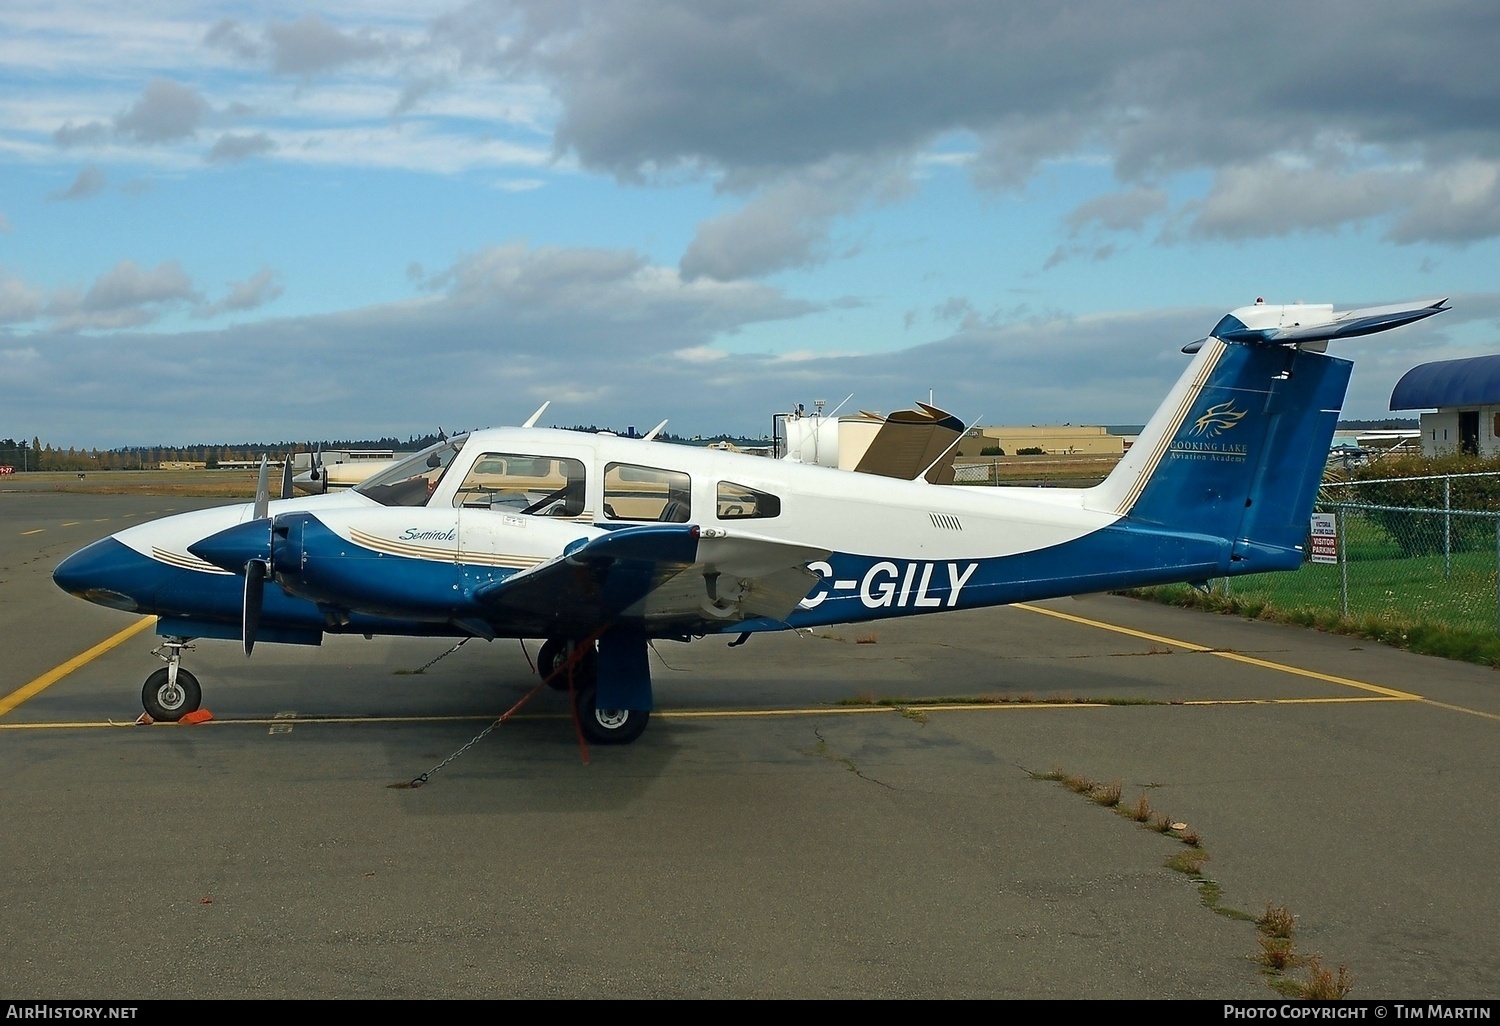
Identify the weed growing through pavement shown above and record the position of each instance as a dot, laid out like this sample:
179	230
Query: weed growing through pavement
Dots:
1326	984
1077	784
1275	926
1276	921
1107	795
1277	953
1190	862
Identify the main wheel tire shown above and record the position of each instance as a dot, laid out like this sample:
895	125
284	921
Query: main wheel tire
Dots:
167	703
553	653
607	726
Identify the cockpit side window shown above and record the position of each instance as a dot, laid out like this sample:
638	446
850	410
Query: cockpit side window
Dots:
412	481
646	493
741	502
544	486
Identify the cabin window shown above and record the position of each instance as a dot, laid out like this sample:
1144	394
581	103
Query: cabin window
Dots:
412	481
741	502
543	486
633	492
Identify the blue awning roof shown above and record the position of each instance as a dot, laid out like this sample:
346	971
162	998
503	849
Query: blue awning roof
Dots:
1471	382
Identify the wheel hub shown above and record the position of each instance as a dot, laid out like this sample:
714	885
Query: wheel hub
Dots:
611	719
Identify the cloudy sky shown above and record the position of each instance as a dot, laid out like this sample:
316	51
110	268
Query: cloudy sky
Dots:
231	221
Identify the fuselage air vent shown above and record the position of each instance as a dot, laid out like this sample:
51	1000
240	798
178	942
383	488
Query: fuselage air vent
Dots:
946	521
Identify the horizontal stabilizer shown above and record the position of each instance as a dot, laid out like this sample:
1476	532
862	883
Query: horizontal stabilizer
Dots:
1303	323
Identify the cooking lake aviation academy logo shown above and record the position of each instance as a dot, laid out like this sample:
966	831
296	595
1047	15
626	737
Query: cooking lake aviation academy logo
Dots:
1201	441
1218	419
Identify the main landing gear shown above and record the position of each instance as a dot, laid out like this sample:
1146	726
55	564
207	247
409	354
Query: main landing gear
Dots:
599	726
171	692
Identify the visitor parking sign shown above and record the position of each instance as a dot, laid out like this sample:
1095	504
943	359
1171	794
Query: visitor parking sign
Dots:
1325	538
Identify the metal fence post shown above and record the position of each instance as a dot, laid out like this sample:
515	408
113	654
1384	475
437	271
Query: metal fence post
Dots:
1447	527
1497	573
1343	565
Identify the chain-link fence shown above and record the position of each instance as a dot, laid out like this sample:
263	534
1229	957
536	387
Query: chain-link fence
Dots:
1407	564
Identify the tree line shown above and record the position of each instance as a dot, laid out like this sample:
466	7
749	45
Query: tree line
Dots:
36	455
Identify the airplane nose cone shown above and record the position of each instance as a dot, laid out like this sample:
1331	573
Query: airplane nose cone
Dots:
103	572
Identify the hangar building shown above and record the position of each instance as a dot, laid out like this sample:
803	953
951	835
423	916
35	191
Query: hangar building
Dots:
1466	397
1054	439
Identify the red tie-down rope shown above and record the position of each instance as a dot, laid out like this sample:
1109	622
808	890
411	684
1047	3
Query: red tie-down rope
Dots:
567	664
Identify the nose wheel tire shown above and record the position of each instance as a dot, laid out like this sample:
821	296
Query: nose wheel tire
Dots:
170	702
607	726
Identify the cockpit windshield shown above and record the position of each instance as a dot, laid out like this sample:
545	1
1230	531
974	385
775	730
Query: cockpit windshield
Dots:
412	481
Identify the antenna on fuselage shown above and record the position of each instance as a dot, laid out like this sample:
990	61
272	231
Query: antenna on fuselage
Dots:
531	420
652	433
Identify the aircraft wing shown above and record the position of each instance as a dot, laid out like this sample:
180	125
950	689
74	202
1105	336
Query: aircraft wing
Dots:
659	575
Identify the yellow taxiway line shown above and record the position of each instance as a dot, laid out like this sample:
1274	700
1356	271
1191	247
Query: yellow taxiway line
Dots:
57	673
1376	693
1388	693
704	714
1391	693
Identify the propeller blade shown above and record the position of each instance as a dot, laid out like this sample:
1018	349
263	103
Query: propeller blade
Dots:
262	493
286	477
256	571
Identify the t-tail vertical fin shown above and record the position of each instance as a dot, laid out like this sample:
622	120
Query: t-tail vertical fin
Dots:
1238	449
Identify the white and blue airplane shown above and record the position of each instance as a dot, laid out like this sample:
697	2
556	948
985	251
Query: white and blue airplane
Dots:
599	544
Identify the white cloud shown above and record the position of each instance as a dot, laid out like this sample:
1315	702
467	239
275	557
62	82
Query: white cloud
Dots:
125	296
1458	203
19	302
787	224
700	354
256	291
510	330
519	184
89	181
229	35
230	148
166	112
311	45
1270	198
1118	212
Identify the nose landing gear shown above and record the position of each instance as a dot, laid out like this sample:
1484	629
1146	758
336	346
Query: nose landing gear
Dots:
171	692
